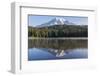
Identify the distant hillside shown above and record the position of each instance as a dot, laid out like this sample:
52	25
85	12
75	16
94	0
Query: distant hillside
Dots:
58	31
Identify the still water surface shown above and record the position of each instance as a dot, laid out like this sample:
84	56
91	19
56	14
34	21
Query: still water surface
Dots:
49	49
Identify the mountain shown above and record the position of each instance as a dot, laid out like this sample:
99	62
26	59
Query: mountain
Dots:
56	21
58	27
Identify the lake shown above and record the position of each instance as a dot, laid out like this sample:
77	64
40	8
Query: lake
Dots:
52	49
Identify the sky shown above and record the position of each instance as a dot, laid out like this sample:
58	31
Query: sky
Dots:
35	20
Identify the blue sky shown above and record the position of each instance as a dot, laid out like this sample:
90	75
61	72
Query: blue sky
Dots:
35	20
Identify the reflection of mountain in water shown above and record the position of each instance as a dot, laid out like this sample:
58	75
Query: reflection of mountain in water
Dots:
58	47
58	53
55	52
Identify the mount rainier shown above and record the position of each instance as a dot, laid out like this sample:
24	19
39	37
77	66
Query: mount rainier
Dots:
56	21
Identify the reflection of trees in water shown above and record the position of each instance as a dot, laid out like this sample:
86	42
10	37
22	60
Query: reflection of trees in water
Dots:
57	47
61	44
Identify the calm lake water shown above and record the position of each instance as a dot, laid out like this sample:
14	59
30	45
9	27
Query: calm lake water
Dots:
49	49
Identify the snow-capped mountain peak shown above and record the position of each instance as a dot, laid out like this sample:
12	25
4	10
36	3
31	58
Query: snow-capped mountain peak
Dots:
56	21
61	20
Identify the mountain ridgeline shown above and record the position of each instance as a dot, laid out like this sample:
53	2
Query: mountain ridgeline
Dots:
58	28
58	31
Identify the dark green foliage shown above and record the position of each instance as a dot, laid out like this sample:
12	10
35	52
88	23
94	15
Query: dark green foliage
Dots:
59	31
61	44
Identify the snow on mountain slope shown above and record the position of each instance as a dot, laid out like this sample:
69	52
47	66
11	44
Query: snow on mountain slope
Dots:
56	21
